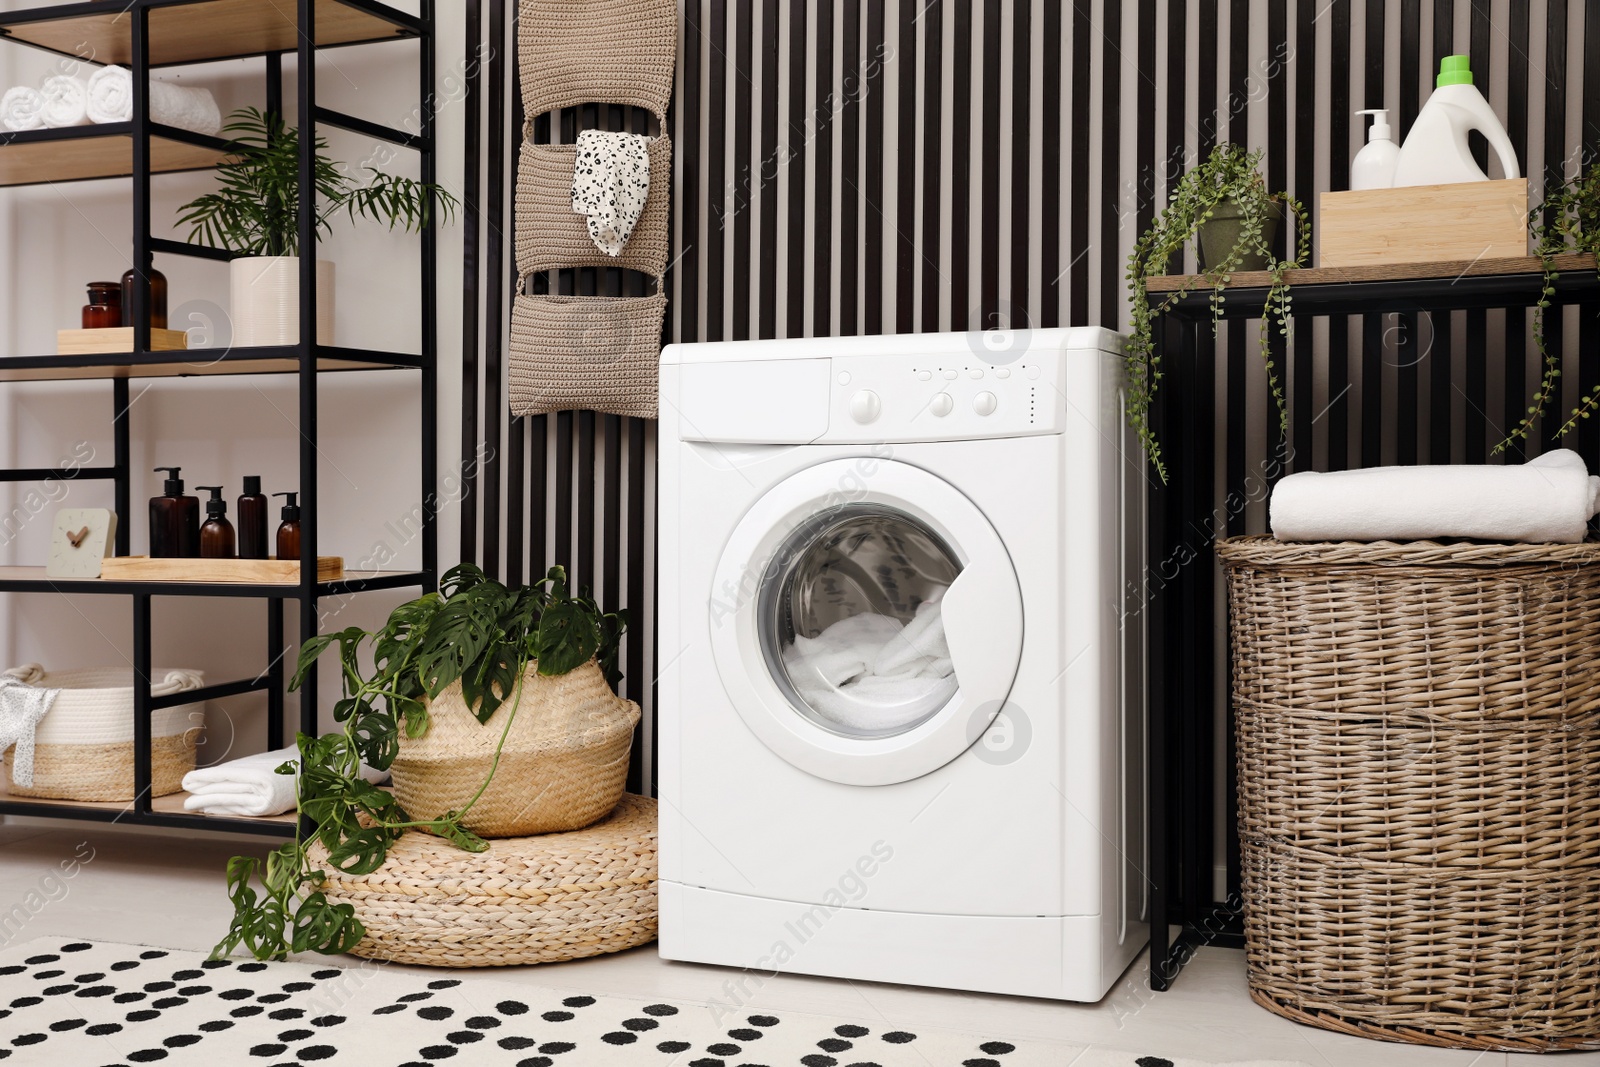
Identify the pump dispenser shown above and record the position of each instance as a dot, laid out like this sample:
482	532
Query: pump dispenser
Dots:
289	530
1436	151
174	519
216	536
252	520
1373	167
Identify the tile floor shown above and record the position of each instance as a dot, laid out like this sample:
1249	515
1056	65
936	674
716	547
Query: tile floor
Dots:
165	889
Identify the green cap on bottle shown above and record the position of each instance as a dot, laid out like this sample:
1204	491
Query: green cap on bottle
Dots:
1454	70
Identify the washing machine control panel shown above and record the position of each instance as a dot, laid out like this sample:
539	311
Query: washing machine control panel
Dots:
945	397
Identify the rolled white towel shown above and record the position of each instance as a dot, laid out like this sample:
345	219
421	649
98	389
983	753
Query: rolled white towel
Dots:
66	101
21	107
185	106
250	786
1547	500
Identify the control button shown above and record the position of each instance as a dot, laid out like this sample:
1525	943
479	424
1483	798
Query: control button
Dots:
975	373
1032	372
949	375
924	375
984	403
865	406
1002	372
844	377
942	404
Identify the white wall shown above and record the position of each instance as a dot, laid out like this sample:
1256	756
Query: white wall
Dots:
54	239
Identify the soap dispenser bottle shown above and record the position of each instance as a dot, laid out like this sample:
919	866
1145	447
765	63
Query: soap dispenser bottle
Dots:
252	520
1436	151
1373	167
289	529
216	536
174	519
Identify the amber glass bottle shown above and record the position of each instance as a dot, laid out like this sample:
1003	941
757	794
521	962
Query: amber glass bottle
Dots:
158	299
104	309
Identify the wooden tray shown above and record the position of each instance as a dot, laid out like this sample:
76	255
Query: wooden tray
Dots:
116	339
232	571
1423	223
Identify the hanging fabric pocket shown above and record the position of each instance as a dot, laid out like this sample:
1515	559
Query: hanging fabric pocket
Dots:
551	236
575	52
597	353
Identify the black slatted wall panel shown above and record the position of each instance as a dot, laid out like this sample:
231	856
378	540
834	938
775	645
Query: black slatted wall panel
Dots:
867	166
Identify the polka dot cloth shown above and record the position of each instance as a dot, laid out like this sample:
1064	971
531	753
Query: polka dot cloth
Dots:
610	183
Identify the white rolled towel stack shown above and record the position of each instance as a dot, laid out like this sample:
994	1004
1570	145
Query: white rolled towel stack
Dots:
1548	500
110	99
66	101
251	786
22	108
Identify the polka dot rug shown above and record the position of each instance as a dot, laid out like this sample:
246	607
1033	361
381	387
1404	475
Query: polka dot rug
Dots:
100	1004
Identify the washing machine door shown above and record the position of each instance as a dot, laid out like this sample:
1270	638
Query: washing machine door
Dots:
866	621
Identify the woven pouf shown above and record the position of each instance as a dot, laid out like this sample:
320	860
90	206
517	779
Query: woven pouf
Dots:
1418	735
526	900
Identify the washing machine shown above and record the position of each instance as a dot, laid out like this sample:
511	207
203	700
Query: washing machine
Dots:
901	706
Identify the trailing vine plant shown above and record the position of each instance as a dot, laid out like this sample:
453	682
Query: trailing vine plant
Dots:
1229	175
475	631
1567	222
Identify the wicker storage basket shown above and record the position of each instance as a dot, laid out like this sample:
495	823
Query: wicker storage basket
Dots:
564	763
550	235
1418	733
574	52
526	900
83	747
595	352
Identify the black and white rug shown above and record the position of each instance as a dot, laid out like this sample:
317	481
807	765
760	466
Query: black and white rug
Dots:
97	1004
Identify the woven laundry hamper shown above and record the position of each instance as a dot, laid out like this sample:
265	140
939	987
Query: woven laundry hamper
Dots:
564	763
83	747
551	236
526	900
572	52
1418	735
595	352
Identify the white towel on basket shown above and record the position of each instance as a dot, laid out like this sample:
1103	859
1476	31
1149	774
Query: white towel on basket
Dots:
1546	500
21	708
610	183
187	107
66	101
250	786
22	109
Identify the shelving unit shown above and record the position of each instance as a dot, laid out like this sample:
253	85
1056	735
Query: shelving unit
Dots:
143	35
1184	640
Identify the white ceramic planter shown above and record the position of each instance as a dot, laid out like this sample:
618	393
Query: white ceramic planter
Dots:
265	293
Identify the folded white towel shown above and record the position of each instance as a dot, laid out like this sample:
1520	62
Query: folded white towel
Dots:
610	183
184	106
66	101
21	708
1547	500
872	672
21	107
251	786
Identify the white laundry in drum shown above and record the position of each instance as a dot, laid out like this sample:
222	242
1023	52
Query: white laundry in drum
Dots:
873	672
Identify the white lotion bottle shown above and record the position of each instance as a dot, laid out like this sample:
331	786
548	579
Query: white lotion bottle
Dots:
1374	165
1436	151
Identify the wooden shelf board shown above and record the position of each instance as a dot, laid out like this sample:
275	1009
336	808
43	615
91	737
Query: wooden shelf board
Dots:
195	365
30	579
199	32
1388	272
171	804
88	152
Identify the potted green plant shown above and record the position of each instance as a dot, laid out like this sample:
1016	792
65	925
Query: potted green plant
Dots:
1567	222
1224	204
489	646
255	212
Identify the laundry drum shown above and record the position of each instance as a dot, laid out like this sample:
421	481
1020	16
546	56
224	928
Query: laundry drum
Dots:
850	620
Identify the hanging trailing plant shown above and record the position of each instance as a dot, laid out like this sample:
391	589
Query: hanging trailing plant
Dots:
1227	181
474	631
1567	222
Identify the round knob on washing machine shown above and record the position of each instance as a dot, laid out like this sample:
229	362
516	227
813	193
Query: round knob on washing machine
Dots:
942	404
984	403
865	406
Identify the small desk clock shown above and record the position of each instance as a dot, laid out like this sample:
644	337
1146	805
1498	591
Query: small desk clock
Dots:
80	539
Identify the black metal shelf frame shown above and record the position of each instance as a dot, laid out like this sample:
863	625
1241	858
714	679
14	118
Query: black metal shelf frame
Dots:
1182	596
305	356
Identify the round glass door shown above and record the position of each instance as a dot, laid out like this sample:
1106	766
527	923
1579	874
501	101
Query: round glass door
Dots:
851	621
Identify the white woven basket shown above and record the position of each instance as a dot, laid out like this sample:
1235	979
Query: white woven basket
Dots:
83	748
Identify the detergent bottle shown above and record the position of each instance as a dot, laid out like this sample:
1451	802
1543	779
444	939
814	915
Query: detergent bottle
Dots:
1436	151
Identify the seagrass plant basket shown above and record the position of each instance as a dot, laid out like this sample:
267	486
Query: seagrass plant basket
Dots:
1418	739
